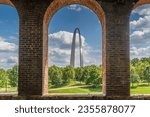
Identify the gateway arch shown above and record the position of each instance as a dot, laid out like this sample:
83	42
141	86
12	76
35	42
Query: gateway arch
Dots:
72	59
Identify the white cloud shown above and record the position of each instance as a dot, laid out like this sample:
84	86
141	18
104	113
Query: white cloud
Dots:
12	60
6	46
137	34
7	61
2	60
140	32
78	8
142	10
144	17
64	39
60	50
140	38
75	7
142	22
140	52
8	53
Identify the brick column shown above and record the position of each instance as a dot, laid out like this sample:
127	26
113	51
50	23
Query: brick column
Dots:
116	61
32	49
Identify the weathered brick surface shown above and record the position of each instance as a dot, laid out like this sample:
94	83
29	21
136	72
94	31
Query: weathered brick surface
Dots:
32	57
73	97
33	46
116	51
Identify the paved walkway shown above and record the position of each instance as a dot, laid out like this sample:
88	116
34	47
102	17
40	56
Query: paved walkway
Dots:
53	89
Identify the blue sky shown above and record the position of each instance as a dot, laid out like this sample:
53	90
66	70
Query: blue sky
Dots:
68	18
61	29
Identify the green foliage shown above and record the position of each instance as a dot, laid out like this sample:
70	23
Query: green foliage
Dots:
98	79
2	73
13	76
55	76
146	74
86	75
134	77
2	77
68	74
79	74
93	75
140	72
4	80
134	61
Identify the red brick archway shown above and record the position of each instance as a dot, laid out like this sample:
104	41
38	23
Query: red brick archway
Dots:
141	2
57	4
35	16
51	10
6	2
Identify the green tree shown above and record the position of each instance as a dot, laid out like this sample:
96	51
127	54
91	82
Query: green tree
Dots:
5	83
79	74
2	75
134	77
147	60
93	75
55	76
86	74
97	77
13	76
4	80
146	74
134	61
68	74
139	69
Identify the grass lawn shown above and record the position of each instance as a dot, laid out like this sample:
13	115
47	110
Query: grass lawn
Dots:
76	88
88	90
12	89
140	90
85	90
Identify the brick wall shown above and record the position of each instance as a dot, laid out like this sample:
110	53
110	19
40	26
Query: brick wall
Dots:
33	43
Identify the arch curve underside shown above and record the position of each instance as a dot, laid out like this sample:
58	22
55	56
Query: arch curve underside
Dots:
6	2
141	2
57	4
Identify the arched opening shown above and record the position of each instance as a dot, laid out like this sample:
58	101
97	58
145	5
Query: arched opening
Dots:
57	29
9	28
140	49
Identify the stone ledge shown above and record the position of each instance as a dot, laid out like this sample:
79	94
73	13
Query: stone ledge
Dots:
73	97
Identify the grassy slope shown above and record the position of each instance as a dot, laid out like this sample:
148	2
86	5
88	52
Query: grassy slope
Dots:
87	90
